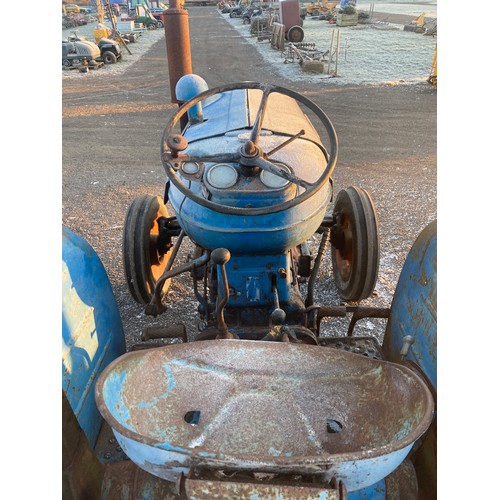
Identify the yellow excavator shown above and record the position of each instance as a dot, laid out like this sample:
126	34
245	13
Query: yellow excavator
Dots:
417	25
102	31
103	8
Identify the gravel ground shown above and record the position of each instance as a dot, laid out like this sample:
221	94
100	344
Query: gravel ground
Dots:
373	53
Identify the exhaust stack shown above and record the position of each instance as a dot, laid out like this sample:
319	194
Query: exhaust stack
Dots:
178	45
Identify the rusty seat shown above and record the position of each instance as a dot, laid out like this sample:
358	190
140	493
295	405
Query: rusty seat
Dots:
264	406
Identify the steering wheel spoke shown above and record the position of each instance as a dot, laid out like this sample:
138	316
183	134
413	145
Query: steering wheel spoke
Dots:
281	172
257	126
282	145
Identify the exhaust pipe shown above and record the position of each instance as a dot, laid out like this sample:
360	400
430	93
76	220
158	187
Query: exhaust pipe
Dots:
178	45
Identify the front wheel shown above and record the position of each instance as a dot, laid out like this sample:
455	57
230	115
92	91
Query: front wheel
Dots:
109	58
355	244
145	252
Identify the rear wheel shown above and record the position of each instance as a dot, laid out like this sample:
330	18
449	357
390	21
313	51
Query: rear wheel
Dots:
159	24
66	63
109	58
145	255
355	244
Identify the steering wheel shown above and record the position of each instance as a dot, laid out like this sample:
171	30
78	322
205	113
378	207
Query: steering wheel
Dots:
250	154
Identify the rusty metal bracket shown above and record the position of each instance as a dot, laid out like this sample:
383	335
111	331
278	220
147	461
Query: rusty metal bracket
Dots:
249	486
358	312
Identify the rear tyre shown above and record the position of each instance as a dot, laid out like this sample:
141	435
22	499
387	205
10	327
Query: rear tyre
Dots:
66	63
355	244
159	24
109	58
145	256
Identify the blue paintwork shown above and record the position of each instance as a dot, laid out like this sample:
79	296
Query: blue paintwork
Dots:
364	479
228	111
92	330
251	235
414	312
190	86
376	491
414	306
252	276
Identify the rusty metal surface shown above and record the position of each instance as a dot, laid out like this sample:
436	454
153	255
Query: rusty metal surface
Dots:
358	313
366	346
402	483
107	448
178	44
125	481
274	407
199	489
82	474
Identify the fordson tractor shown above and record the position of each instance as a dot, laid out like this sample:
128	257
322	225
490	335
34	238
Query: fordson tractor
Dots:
257	403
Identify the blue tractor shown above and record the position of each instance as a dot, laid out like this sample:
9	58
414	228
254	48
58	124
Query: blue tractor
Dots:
258	404
250	182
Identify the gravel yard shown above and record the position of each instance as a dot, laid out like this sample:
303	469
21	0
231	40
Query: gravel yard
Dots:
373	53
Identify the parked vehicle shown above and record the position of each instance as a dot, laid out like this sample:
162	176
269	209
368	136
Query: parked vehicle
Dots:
76	51
142	14
242	6
257	402
318	8
251	11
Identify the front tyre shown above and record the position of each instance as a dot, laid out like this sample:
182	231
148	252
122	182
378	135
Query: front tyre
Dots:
145	254
355	244
109	58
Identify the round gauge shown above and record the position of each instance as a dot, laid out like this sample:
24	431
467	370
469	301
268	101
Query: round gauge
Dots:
190	168
273	181
222	176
